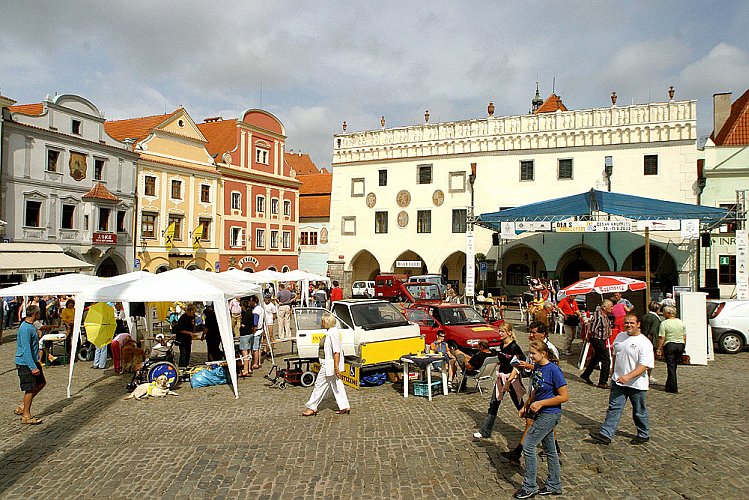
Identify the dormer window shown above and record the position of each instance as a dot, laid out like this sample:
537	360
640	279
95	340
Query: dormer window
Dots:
262	152
75	127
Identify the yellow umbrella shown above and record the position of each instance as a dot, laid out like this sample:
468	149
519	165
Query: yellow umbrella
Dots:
100	324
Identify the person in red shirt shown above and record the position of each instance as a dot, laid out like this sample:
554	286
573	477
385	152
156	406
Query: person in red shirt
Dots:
568	307
336	293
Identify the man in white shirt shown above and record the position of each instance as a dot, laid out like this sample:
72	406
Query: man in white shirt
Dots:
235	309
258	314
271	311
633	355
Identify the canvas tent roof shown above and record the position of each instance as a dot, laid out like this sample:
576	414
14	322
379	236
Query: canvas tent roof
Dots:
27	258
177	284
594	201
65	284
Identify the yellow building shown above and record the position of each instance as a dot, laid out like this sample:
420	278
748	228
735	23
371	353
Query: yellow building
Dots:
178	192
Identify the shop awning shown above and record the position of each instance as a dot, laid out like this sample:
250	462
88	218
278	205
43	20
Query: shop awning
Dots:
594	204
31	258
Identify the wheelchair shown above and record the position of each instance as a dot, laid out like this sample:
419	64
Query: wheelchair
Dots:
154	368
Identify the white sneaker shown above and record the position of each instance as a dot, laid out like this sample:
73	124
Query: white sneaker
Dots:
477	435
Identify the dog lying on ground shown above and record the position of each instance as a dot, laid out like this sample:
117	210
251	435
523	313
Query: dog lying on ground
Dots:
131	355
159	388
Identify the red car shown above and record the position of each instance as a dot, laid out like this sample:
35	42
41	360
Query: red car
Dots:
464	327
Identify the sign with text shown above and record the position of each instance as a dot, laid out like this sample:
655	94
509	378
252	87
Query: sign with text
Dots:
412	264
507	231
249	259
742	264
659	225
470	264
104	239
593	226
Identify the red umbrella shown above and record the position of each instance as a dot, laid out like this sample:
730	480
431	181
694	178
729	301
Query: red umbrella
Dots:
604	284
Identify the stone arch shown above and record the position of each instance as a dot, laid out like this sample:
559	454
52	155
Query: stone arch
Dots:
162	268
285	269
518	262
364	266
577	259
272	268
248	270
409	255
452	270
663	270
107	268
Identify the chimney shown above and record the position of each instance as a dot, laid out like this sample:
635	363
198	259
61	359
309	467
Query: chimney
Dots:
721	111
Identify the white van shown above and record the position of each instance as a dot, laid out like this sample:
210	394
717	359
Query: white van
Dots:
363	289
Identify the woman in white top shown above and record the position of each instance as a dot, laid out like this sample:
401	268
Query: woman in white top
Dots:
331	365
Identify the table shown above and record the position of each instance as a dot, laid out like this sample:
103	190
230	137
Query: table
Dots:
425	362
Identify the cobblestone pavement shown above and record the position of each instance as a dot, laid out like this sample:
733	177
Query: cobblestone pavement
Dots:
206	444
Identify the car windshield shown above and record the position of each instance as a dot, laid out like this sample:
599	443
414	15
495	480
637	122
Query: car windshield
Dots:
460	316
374	315
423	291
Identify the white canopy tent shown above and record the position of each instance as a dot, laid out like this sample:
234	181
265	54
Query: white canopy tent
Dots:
178	284
270	276
65	284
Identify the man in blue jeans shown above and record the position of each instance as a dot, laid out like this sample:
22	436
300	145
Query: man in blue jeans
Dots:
633	356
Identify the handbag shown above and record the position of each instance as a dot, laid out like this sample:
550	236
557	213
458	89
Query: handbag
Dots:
572	320
685	360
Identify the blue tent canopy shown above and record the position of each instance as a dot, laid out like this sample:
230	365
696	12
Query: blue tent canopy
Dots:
588	203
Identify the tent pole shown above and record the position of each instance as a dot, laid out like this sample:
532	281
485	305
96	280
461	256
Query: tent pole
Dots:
647	267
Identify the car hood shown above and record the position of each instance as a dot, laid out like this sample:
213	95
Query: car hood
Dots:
475	331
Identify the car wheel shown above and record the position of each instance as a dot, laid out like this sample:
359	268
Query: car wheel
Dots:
731	342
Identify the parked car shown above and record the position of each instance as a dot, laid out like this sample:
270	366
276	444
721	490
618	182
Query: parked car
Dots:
431	278
729	320
421	291
463	326
363	289
388	286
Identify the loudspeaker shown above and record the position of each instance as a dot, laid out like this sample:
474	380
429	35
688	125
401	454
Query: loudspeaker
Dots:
495	239
711	278
705	240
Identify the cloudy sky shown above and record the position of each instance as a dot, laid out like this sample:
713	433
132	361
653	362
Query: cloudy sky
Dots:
316	63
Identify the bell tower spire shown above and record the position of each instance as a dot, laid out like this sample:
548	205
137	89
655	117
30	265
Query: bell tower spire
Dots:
537	101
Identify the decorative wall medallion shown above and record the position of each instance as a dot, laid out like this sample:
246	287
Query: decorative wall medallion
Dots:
402	218
403	198
77	166
227	158
438	198
371	200
324	236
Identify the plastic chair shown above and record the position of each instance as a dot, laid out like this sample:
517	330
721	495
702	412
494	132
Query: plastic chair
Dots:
485	372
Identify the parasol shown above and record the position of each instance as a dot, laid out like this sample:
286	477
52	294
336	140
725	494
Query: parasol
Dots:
603	284
100	324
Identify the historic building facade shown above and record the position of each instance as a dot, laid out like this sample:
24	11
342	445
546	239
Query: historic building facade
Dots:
726	176
260	192
65	181
314	213
401	196
178	193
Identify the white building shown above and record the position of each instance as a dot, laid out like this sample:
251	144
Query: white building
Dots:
725	171
400	195
66	182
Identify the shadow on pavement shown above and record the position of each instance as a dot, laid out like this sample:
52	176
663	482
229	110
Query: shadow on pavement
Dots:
46	439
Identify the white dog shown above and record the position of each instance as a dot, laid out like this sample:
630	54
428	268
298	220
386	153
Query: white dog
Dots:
159	388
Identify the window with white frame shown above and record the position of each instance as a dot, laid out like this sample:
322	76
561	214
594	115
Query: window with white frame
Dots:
53	158
235	237
274	206
98	169
460	220
149	182
423	221
176	190
286	239
527	172
565	168
236	200
287	208
381	222
177	221
205	193
104	219
206	223
424	174
148	225
75	127
260	238
33	214
121	216
274	239
261	156
260	204
308	238
68	216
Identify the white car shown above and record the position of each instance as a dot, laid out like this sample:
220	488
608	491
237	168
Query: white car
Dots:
729	320
363	289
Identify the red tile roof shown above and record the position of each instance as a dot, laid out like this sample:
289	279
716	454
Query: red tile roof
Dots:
314	206
735	131
135	128
28	109
320	183
221	136
301	163
551	104
100	192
